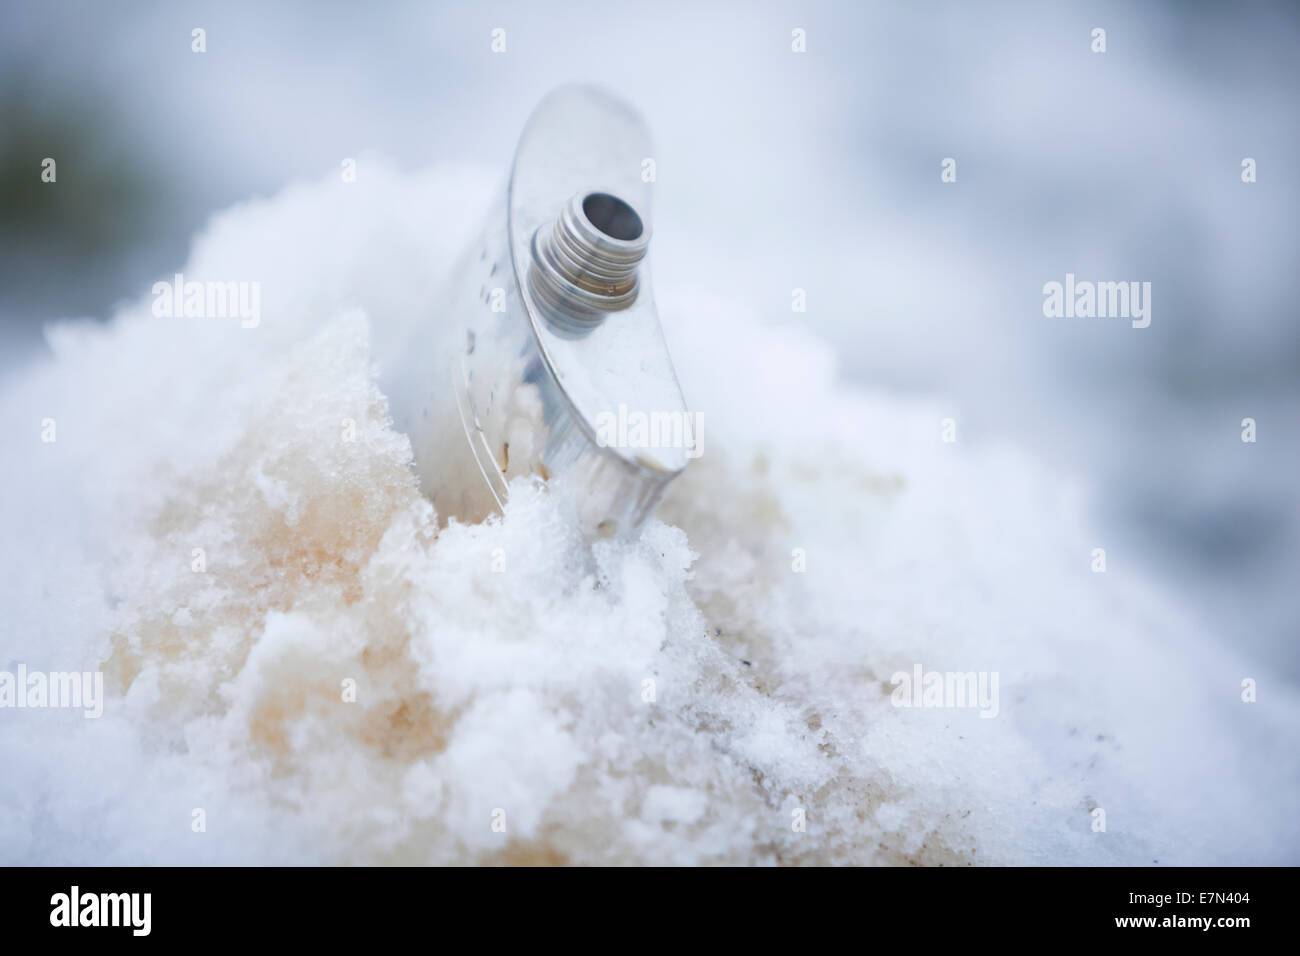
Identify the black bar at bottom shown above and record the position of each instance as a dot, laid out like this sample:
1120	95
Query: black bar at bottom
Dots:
903	906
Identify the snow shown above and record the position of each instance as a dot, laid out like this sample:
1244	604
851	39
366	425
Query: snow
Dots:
677	698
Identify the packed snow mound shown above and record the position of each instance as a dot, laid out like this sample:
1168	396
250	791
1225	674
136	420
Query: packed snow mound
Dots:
300	666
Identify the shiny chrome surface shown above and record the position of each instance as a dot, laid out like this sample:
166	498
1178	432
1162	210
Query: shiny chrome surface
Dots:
549	323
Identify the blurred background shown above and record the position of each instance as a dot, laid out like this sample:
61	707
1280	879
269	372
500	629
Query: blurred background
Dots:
778	170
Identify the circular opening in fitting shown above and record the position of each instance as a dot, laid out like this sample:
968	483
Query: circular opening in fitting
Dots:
612	216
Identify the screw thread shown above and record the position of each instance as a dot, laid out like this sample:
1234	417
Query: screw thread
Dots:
581	270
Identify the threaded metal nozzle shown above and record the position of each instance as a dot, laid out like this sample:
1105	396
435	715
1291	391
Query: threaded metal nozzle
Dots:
585	263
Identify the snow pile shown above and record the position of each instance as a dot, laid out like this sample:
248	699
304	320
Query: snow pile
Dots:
227	526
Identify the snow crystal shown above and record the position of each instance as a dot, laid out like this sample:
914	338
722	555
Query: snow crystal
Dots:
229	528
